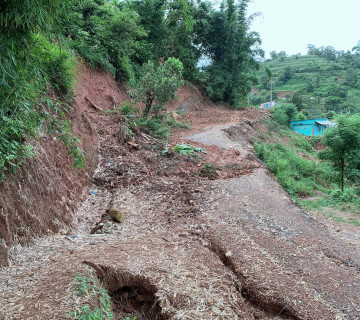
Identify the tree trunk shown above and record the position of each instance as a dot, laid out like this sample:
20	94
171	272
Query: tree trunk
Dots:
148	105
342	174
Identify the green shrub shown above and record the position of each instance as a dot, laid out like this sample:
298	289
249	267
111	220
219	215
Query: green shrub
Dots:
155	126
57	63
298	176
209	171
302	143
279	116
26	110
87	287
159	126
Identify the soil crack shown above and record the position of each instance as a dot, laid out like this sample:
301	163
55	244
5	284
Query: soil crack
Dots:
266	304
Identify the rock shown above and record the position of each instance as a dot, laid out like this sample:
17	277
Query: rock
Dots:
63	201
4	255
228	254
115	214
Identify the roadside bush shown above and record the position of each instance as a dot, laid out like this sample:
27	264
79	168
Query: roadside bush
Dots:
302	143
208	171
280	117
298	176
155	125
29	64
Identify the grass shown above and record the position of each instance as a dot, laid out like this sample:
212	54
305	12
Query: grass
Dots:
322	204
294	162
86	286
299	176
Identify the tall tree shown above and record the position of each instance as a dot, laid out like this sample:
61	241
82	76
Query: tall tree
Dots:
233	51
169	24
343	144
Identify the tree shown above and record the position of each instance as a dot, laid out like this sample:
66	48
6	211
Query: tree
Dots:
290	111
297	100
329	53
273	55
280	116
170	28
158	84
343	143
300	116
232	49
106	35
287	74
351	78
356	48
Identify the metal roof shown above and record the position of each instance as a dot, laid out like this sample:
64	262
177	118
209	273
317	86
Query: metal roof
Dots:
326	123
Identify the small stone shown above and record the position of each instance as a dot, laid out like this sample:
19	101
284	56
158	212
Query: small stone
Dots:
63	201
116	215
228	254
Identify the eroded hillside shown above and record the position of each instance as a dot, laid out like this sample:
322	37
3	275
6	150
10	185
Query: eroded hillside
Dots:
205	236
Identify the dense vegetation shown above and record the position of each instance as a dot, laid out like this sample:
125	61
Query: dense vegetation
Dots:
30	63
293	160
38	40
328	176
320	84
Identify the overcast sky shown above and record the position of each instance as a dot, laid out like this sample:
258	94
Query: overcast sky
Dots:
290	25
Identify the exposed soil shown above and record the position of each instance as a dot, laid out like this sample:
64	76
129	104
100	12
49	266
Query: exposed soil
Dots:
230	245
43	197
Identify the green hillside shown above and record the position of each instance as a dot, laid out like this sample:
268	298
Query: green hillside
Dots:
320	83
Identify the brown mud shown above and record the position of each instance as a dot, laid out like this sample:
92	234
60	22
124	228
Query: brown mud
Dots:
226	246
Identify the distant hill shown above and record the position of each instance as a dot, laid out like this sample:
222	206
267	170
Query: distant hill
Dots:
319	84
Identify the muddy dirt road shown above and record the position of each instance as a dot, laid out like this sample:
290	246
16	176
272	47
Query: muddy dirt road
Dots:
235	247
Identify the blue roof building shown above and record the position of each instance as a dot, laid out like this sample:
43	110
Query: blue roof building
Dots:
313	127
268	105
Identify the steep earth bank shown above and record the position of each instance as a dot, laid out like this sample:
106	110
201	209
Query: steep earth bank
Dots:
43	197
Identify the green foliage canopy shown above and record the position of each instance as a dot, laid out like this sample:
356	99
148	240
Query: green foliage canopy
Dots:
226	40
158	84
29	63
105	34
343	142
